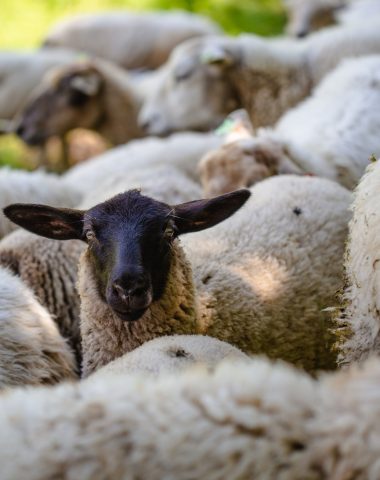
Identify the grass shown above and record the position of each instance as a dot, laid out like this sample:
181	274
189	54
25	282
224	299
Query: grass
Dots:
25	22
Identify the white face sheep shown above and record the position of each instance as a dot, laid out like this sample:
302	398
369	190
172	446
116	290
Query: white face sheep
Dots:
87	94
309	15
137	282
205	79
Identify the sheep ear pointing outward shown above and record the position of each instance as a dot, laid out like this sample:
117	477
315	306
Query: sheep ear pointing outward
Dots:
50	222
216	55
87	84
201	214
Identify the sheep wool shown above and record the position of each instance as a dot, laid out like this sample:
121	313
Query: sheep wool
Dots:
359	320
171	354
181	151
257	421
32	350
50	269
36	187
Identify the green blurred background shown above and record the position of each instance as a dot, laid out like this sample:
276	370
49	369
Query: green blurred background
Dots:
25	22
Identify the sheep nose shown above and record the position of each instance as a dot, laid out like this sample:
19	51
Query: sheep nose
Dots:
20	130
302	34
147	123
130	288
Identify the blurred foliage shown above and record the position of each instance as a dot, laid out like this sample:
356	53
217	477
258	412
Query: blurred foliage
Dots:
25	22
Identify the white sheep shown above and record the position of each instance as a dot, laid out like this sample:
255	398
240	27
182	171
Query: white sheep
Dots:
308	15
182	151
32	351
359	320
35	187
50	269
92	94
21	72
258	280
163	182
257	421
172	354
118	35
320	136
205	79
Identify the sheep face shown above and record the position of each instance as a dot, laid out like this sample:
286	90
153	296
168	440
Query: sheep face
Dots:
69	100
191	91
243	163
306	16
129	240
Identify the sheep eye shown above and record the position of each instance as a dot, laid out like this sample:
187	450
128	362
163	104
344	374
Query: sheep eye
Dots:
90	235
180	76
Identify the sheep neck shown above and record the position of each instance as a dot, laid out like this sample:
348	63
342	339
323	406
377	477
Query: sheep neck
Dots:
120	104
267	95
106	337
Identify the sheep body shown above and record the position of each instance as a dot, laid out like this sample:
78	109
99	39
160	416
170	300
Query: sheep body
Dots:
254	421
359	321
173	354
306	16
163	182
49	269
162	31
32	350
182	151
260	257
38	186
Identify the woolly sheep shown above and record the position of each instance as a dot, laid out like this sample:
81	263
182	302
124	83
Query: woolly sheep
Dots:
172	354
38	186
32	351
258	280
50	270
257	421
21	72
294	145
308	15
182	151
206	78
91	94
305	16
163	182
118	35
359	321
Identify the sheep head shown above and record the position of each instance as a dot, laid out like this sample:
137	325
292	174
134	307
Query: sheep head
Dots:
191	91
68	98
129	240
242	163
306	16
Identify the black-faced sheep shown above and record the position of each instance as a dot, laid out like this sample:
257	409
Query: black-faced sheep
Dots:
258	280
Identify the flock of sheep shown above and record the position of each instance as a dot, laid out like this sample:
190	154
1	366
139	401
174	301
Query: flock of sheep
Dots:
138	271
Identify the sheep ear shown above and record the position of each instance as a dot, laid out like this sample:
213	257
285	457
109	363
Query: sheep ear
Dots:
88	84
50	222
201	214
216	55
